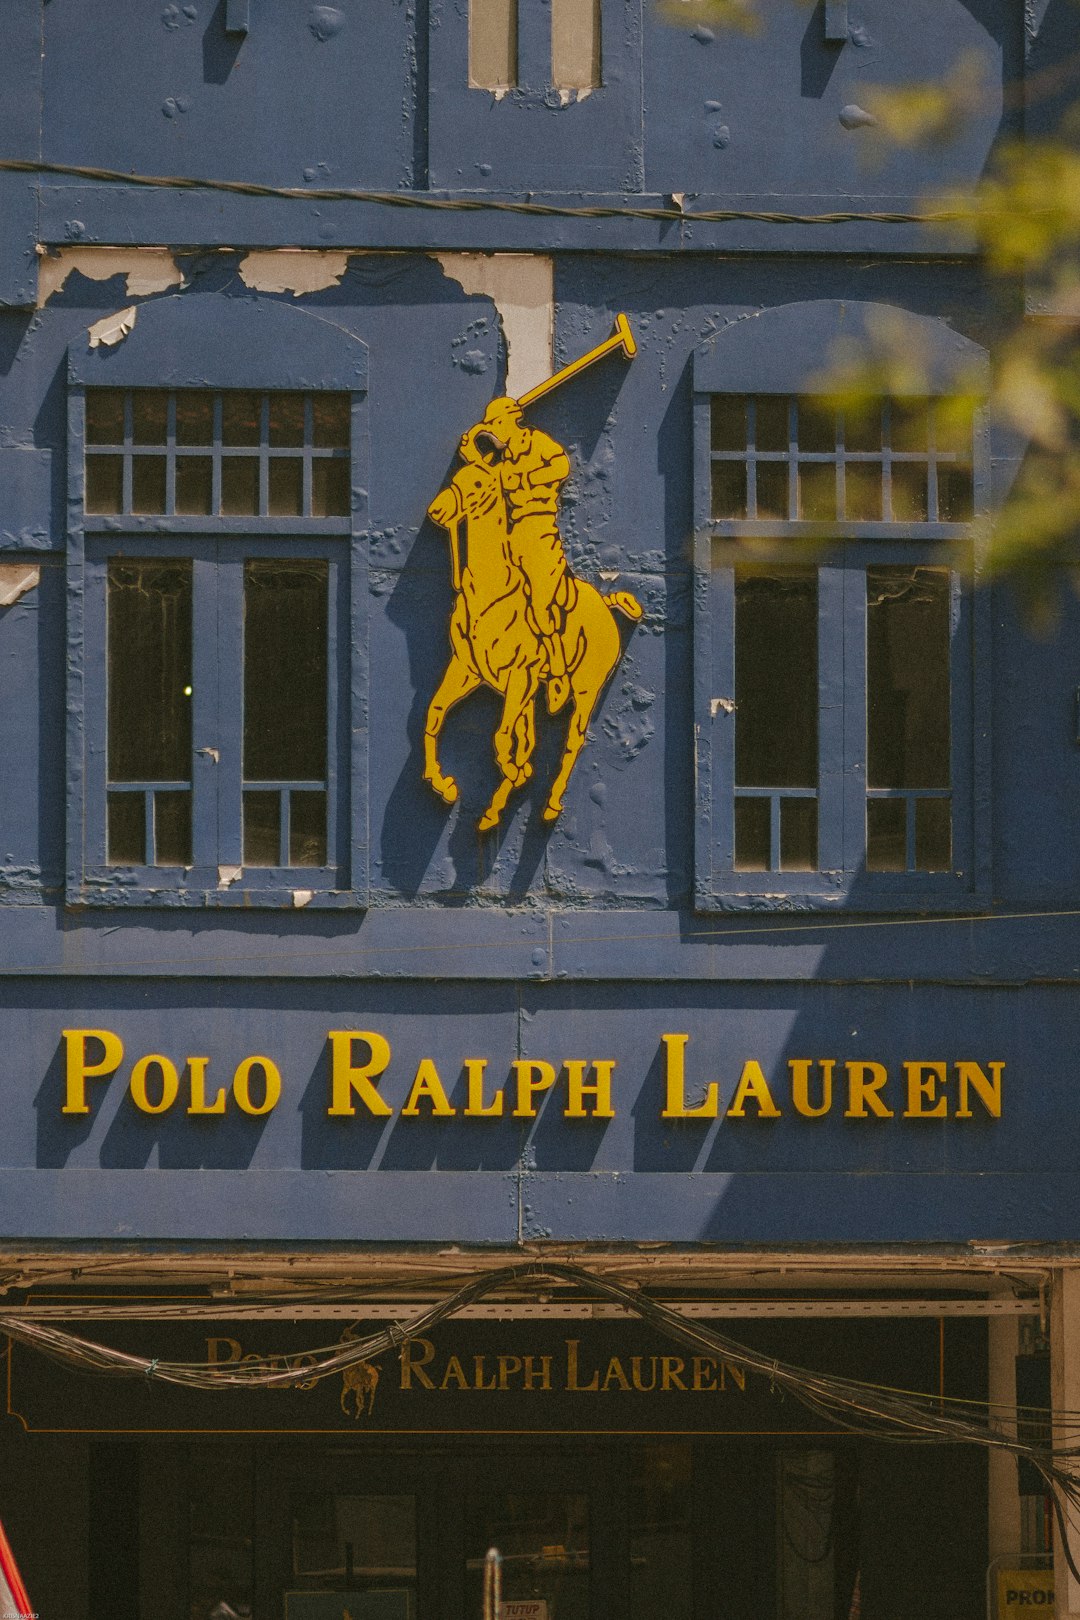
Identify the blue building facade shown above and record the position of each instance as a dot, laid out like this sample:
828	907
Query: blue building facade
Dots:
767	1013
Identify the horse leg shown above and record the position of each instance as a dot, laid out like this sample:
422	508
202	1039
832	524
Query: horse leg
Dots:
456	684
520	694
525	741
587	684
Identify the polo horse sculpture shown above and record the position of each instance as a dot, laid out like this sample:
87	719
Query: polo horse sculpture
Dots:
521	619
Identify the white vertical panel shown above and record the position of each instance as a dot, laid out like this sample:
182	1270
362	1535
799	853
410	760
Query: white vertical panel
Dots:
492	44
575	44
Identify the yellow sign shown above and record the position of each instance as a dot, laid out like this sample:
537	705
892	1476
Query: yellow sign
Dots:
1025	1592
585	1088
521	619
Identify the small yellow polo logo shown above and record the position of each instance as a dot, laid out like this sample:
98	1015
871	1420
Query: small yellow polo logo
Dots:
521	618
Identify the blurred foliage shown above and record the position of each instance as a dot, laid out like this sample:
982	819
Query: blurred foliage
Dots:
1024	218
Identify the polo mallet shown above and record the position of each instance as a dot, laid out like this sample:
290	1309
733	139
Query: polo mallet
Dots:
621	338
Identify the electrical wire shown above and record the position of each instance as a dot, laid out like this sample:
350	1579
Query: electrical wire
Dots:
472	205
869	1411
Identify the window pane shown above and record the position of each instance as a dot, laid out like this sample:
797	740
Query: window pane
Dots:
862	491
104	416
909	498
544	1539
806	1543
772	489
817	427
356	1543
575	44
286	486
776	681
149	671
907	671
287	419
332	413
194	485
194	417
492	44
241	418
817	491
955	492
954	426
753	843
862	426
126	844
798	835
239	486
886	835
330	488
909	424
149	415
172	828
728	489
104	484
933	835
307	829
771	424
148	484
661	1523
262	829
728	422
285	627
222	1527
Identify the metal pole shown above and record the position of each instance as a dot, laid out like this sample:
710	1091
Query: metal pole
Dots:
493	1584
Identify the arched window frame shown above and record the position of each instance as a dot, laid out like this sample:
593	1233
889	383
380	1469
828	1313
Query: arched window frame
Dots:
790	351
218	343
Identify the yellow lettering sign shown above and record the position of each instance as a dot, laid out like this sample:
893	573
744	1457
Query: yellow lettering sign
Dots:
675	1077
79	1068
348	1079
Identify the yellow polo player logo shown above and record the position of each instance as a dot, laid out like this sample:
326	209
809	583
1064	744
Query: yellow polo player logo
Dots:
521	618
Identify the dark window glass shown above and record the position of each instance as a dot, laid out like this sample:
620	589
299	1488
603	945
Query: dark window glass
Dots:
886	835
728	422
798	835
772	489
909	497
330	488
239	486
241	418
104	484
104	416
753	840
771	430
776	679
262	828
544	1539
728	489
910	419
149	416
817	491
360	1546
127	829
862	491
307	828
955	488
148	484
194	417
817	427
661	1529
332	413
285	668
286	486
287	420
194	486
172	828
221	1531
862	427
933	835
149	671
954	426
907	671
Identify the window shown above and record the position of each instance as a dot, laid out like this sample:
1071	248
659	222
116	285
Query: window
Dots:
839	723
572	49
215	564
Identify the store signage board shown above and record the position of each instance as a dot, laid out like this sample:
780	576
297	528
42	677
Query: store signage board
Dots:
1024	1592
472	1377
